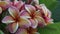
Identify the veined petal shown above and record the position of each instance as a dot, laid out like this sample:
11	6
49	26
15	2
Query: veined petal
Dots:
14	12
7	20
4	4
24	22
37	13
15	1
45	10
21	31
25	14
48	20
34	23
12	27
19	4
0	10
30	8
40	20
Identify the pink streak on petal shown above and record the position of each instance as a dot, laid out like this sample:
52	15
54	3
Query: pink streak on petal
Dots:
14	12
30	8
8	19
21	31
12	27
34	23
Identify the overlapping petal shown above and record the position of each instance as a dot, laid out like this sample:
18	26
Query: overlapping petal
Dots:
48	20
34	23
19	4
13	27
22	31
24	14
30	8
14	12
4	4
40	19
8	19
24	22
45	10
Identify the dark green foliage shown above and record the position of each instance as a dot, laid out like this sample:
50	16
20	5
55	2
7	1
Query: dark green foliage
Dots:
50	29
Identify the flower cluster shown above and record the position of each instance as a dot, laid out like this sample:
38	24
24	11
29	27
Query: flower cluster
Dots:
25	17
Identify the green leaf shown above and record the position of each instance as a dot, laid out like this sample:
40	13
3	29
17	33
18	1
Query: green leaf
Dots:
49	3
50	29
1	32
56	13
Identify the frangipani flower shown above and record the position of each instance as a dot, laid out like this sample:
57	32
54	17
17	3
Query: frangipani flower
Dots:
15	20
27	31
46	14
18	4
3	6
35	16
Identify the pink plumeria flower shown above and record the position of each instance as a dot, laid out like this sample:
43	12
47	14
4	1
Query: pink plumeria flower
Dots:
35	16
3	6
18	4
15	20
26	31
46	14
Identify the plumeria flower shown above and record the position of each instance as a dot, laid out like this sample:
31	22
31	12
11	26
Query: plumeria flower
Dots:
18	4
3	6
35	16
46	14
15	20
27	31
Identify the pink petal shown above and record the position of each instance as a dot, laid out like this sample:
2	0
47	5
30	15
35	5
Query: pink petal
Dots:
8	19
4	5
21	31
45	10
30	8
48	20
14	12
0	10
37	13
12	27
25	14
25	23
19	5
34	23
15	1
41	21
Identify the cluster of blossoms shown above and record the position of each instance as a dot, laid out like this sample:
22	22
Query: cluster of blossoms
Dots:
25	17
